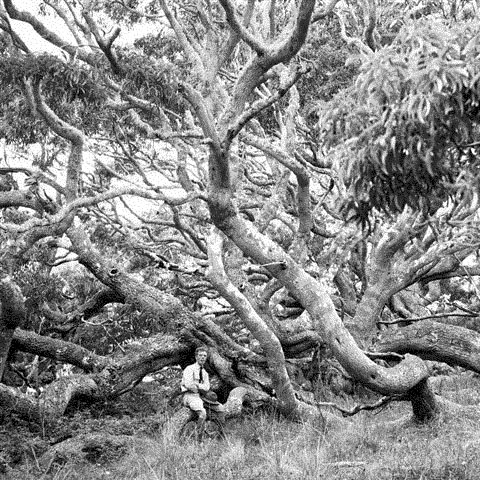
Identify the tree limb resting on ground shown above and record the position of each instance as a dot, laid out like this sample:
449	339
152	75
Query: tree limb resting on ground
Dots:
348	412
434	341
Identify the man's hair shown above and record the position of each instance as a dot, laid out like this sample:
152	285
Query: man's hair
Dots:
201	349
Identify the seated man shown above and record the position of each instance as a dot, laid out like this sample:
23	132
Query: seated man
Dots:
195	383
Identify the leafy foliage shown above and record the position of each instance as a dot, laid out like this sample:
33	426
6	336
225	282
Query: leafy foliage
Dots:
59	77
77	93
16	122
408	129
73	91
153	77
120	14
329	72
38	284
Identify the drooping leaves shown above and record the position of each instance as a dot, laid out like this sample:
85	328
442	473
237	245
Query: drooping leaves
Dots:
77	92
406	135
152	77
73	91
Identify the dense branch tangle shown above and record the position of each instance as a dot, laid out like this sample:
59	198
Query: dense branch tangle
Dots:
180	129
209	54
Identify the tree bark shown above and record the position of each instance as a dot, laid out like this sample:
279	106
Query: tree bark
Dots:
57	396
110	377
12	315
434	341
30	342
165	307
311	294
269	342
424	403
13	400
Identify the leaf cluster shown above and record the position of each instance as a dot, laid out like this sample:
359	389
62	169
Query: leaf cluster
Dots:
326	54
73	91
406	132
118	13
151	75
62	79
17	124
331	72
38	284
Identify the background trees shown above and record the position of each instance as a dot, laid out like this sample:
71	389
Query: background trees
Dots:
206	182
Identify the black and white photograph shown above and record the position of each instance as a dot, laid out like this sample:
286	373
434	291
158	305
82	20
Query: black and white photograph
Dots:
239	240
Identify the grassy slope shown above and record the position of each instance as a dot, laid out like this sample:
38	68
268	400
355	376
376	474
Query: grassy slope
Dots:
375	446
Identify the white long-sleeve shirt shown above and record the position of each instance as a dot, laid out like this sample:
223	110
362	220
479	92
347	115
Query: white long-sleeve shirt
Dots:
191	379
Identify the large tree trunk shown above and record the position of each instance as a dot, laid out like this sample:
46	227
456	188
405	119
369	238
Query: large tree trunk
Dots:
225	215
434	341
12	316
390	381
62	351
165	307
424	403
109	377
269	342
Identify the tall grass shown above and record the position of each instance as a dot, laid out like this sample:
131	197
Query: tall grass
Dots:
267	448
371	447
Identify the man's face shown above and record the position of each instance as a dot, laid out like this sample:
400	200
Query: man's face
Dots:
201	358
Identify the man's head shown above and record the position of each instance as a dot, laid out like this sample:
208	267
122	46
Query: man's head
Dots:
201	354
